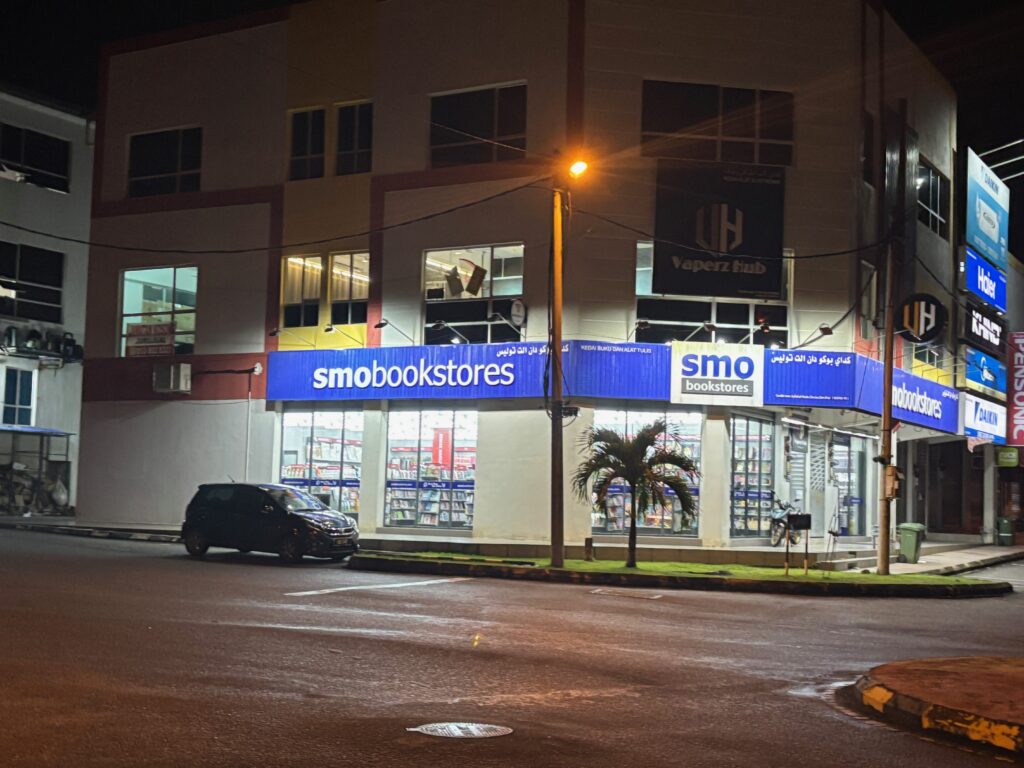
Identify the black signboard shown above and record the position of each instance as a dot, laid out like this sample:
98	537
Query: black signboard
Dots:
922	318
719	230
984	329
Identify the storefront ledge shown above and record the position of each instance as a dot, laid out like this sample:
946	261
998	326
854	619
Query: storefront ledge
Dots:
96	533
386	563
885	702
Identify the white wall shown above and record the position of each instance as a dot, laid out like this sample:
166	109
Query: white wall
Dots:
145	459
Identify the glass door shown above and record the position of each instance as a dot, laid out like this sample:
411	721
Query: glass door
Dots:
753	475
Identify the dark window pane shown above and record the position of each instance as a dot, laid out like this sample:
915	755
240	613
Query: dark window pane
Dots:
776	115
41	312
507	153
471	112
300	134
775	316
8	259
738	151
10	415
733	314
40	295
46	153
346	129
298	169
456	311
188	182
10	143
151	154
680	108
464	155
738	112
316	167
191	149
357	310
339	313
316	132
163	185
512	111
775	154
681	148
11	386
868	149
673	311
501	332
7	307
48	180
310	314
292	315
363	162
364	134
25	416
346	164
25	388
39	265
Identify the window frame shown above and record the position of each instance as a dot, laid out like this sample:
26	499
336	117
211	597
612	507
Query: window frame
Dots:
934	213
355	308
309	158
357	151
179	175
498	143
33	378
16	301
174	313
719	136
33	173
305	305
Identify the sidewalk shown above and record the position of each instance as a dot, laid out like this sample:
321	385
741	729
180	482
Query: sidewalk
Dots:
974	698
948	563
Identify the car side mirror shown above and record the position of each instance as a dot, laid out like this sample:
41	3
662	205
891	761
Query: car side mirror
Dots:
267	509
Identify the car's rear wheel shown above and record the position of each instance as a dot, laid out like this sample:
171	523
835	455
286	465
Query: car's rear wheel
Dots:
291	549
196	543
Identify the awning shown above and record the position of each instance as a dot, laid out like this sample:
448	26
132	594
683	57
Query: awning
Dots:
19	429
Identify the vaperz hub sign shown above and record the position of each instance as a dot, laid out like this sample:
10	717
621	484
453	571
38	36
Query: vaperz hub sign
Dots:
717	374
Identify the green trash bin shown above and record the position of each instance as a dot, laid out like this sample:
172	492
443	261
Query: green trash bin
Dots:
1005	537
911	535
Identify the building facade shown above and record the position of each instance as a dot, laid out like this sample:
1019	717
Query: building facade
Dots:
348	241
46	164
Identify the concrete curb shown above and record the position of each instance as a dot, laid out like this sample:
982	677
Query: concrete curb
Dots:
869	695
96	533
370	562
973	565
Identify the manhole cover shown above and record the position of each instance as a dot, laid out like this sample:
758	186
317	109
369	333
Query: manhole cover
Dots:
462	730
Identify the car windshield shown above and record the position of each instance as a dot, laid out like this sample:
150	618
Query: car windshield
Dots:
293	499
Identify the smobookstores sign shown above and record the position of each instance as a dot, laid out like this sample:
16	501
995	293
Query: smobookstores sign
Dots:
717	374
1015	427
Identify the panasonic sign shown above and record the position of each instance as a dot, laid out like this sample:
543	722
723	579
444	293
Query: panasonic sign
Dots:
717	373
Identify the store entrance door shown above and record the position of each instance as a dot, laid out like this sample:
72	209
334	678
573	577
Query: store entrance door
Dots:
945	487
816	482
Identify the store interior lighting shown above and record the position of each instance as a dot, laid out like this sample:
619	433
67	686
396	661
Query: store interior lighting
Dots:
385	323
809	425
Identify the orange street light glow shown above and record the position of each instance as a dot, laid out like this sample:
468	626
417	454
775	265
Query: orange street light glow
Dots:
577	169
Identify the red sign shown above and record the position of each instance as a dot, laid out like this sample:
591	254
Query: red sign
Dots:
441	449
145	339
1015	423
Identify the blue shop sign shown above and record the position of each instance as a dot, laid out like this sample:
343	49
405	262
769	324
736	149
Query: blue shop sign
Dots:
810	379
984	373
984	281
468	372
914	400
988	211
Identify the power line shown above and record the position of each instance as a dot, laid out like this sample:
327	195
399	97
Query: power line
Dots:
842	319
284	246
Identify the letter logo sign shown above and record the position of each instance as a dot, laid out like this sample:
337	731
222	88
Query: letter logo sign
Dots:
722	374
984	281
716	231
922	318
983	329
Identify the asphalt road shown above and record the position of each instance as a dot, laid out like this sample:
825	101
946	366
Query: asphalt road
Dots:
130	654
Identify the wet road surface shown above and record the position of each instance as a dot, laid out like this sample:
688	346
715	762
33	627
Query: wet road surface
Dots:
125	653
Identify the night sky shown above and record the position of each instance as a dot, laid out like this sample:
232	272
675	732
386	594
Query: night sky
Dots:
51	48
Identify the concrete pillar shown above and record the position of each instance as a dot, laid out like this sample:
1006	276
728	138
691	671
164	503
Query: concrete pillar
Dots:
715	481
988	496
374	468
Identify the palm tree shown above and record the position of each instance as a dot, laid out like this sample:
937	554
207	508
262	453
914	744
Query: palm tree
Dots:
645	463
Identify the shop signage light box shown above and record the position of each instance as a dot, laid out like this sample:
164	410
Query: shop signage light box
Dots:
983	329
982	418
984	281
988	211
1015	433
982	373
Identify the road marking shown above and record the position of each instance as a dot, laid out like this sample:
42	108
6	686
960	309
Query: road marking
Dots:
621	593
375	586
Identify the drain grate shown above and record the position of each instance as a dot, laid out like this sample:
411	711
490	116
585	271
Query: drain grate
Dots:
462	730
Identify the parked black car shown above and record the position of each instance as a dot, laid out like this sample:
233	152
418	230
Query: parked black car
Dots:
266	518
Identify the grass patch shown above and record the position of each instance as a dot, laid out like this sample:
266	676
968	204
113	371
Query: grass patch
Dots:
706	570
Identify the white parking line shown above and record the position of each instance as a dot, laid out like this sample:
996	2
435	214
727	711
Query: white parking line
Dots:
375	586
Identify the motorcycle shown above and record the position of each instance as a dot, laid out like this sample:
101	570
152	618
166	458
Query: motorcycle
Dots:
780	522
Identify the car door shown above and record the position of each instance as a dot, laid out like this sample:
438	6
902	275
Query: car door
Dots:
249	519
214	512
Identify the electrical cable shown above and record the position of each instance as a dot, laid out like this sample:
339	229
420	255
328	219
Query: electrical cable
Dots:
284	246
841	320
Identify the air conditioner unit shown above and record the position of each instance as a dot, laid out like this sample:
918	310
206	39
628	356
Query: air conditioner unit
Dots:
173	378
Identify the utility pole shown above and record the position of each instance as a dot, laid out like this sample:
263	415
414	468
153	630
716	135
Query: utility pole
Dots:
559	199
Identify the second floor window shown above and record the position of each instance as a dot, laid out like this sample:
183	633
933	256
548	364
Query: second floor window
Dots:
18	387
165	162
355	139
480	126
694	121
307	156
349	288
37	275
43	159
301	291
932	199
164	297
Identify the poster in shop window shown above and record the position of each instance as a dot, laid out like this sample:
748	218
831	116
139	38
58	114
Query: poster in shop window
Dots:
718	230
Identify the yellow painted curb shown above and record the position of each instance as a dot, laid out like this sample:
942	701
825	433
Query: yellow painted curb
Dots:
975	728
876	697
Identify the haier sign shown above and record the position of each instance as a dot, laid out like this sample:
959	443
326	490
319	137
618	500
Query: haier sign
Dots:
988	211
984	281
717	374
985	419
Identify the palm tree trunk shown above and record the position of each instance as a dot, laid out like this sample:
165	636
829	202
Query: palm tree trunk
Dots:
631	546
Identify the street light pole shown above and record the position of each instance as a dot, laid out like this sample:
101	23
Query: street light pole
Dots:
885	452
555	355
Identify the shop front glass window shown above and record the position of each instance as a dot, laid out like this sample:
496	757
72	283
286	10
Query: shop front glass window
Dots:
322	453
753	475
850	467
161	296
431	469
684	433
